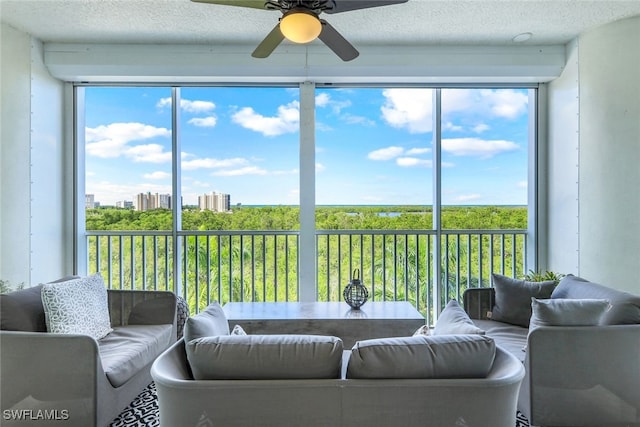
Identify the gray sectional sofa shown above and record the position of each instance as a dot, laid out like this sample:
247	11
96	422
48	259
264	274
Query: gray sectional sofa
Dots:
73	379
582	367
213	378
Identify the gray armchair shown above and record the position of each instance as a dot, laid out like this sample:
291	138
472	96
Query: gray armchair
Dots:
75	378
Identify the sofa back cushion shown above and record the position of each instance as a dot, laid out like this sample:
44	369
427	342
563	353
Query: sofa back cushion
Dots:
625	307
22	311
211	322
513	298
265	357
422	356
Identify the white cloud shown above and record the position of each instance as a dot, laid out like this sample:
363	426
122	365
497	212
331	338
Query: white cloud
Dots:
322	99
357	120
506	103
284	172
320	167
211	163
287	120
522	184
418	151
157	175
248	170
454	128
111	141
149	153
413	161
386	153
481	127
200	183
477	147
408	108
207	122
188	105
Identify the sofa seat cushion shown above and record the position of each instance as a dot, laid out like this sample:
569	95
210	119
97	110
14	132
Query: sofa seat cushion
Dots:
625	307
510	337
422	357
265	357
128	349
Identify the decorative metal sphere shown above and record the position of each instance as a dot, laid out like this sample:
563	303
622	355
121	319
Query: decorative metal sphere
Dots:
355	293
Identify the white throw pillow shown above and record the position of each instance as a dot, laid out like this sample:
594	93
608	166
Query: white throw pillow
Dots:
78	306
566	312
454	321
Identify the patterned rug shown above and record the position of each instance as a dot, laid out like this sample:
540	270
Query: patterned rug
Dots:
143	412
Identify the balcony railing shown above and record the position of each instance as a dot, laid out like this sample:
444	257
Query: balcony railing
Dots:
264	265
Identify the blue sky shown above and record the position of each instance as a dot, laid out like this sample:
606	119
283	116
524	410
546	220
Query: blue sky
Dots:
373	145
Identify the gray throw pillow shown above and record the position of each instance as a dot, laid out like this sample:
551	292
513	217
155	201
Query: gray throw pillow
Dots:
454	320
513	298
422	357
211	322
625	307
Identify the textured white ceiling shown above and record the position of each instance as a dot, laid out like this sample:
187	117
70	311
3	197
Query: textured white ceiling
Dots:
418	22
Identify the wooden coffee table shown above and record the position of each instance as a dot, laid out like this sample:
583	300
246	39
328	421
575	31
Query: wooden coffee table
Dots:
373	320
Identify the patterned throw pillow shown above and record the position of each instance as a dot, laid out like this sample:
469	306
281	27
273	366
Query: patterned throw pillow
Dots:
237	330
78	306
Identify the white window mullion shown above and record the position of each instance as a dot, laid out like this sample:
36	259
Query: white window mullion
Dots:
307	245
176	198
437	204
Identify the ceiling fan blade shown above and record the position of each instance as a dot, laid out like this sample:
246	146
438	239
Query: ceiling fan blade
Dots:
254	4
347	5
266	46
338	44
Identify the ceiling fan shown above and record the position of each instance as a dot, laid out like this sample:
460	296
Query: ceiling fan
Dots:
300	22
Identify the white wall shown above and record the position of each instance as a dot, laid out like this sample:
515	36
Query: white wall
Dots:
607	86
15	146
610	154
34	213
563	165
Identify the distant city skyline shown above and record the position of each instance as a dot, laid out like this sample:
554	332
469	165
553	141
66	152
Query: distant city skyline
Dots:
373	145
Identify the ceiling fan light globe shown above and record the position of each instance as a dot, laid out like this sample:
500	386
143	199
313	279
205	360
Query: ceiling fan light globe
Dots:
300	26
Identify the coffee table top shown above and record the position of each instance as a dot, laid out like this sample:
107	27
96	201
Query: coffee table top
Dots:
320	310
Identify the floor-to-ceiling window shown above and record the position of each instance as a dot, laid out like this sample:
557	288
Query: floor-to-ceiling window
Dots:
412	186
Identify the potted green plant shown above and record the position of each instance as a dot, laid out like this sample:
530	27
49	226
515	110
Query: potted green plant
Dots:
540	276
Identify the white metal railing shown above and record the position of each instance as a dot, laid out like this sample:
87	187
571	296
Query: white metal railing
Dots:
263	265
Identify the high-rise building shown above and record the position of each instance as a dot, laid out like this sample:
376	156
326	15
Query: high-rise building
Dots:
217	202
89	201
148	201
124	204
